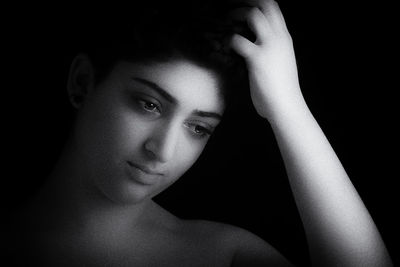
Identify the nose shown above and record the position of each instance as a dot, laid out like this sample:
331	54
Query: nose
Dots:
162	143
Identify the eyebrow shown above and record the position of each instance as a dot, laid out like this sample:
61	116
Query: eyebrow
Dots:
207	114
173	100
156	88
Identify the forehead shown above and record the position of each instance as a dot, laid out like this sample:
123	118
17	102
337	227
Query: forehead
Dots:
193	86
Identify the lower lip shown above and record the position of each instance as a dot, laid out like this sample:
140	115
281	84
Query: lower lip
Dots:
139	176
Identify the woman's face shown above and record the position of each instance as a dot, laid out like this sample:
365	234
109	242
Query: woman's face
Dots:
145	125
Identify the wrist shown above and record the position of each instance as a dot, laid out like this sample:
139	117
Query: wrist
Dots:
292	112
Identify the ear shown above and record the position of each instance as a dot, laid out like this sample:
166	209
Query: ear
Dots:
80	80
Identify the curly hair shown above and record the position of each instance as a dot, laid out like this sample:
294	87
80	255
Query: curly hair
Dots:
163	30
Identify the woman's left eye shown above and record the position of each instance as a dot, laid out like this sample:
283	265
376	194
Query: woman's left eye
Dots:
199	130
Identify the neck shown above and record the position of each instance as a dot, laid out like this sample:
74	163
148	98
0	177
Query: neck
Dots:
68	204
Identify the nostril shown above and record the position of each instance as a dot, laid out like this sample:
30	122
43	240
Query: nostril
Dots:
161	144
150	149
160	151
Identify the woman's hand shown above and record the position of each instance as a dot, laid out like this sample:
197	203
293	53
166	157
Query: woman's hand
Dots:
270	59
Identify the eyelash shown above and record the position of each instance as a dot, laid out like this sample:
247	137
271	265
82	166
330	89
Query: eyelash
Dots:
204	132
197	130
145	103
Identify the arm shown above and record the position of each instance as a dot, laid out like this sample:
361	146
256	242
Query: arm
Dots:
339	229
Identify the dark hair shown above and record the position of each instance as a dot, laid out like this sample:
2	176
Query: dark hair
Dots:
163	30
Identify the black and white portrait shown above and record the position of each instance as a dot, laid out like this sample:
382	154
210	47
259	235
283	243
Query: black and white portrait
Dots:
199	133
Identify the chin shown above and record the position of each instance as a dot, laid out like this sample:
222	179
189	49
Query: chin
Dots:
126	193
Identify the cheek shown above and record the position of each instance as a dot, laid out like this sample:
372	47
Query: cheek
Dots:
128	131
188	151
110	135
131	131
186	156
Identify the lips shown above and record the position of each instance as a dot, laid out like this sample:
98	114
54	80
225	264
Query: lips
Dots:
145	169
142	175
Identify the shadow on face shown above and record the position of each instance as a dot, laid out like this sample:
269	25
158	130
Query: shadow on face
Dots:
144	126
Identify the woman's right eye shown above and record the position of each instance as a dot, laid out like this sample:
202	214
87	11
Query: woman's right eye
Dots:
149	106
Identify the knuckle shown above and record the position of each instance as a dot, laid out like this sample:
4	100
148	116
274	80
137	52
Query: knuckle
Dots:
254	11
255	14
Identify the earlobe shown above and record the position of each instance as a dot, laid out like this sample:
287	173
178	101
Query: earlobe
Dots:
80	80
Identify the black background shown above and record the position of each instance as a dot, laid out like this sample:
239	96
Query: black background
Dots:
346	59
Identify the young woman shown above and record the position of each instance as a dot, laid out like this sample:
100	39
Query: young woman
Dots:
143	117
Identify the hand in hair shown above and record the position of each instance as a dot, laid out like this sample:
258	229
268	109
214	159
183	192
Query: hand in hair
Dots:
338	227
270	58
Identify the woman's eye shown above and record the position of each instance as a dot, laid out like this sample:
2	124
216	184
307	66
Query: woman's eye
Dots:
149	106
200	131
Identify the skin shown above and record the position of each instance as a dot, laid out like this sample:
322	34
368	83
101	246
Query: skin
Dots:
339	229
97	208
143	140
141	127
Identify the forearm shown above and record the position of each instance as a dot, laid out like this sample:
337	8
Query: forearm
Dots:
338	227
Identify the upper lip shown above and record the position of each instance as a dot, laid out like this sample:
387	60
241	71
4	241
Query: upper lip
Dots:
145	168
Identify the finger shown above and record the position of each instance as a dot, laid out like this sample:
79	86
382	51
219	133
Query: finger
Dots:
278	15
269	8
277	9
256	21
242	46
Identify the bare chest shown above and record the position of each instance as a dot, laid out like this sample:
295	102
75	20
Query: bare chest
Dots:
152	249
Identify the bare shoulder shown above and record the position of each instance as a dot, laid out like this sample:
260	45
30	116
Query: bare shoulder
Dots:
225	243
243	247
